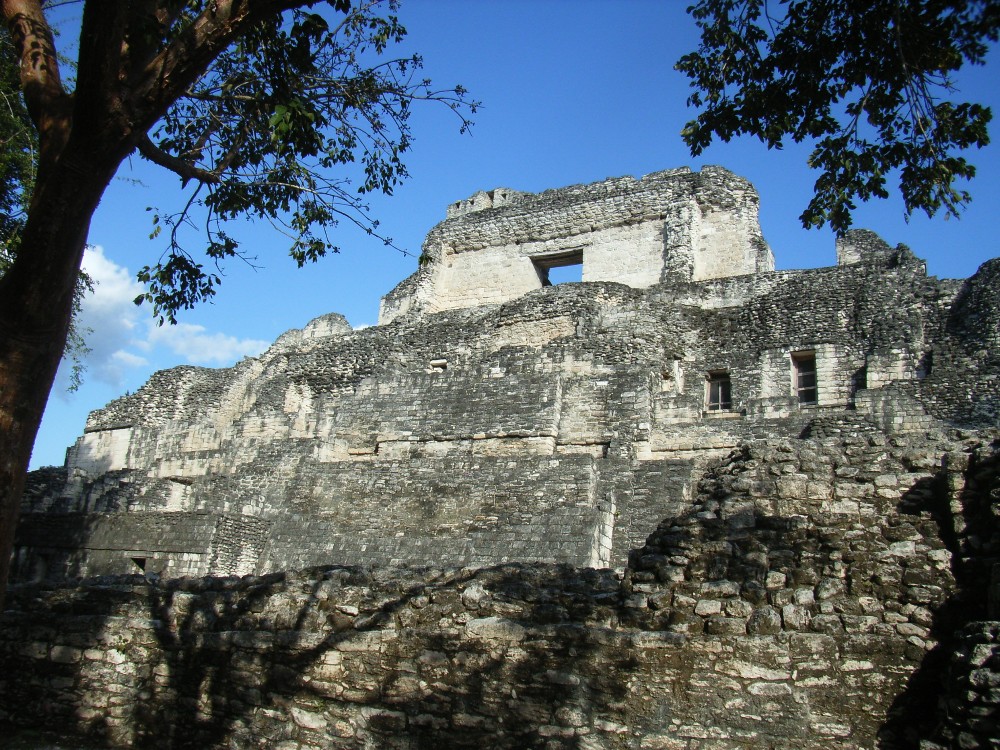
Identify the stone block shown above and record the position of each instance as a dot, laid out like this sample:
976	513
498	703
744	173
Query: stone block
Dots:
706	607
308	719
726	625
764	621
795	617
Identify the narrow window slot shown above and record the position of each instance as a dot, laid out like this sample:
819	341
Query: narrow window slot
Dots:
559	268
806	389
720	392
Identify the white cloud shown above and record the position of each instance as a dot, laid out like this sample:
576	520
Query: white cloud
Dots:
199	347
122	336
128	359
115	288
109	321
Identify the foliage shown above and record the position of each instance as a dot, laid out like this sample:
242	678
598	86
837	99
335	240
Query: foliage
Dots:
274	129
17	151
870	84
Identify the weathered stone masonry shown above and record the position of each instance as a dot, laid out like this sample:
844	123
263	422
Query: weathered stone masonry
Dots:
794	473
768	613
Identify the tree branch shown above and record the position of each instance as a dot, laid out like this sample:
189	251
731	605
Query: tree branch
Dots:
48	104
184	169
171	73
100	65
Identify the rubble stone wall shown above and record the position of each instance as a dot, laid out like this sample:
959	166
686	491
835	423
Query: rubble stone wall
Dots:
815	593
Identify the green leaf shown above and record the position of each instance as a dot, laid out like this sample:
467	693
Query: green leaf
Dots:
870	85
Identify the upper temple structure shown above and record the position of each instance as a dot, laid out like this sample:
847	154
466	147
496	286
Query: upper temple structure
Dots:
668	226
492	416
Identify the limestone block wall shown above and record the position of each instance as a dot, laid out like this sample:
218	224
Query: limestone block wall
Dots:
816	593
858	245
754	328
449	509
671	224
631	255
888	531
553	427
102	450
509	657
453	511
962	365
485	199
172	544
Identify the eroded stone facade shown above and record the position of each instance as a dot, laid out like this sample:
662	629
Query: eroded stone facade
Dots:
668	226
558	426
787	478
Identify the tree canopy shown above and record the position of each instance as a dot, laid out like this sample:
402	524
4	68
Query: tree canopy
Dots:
268	128
870	84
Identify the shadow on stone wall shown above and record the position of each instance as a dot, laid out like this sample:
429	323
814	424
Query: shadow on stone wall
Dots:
496	657
541	675
240	660
913	714
775	545
932	710
49	639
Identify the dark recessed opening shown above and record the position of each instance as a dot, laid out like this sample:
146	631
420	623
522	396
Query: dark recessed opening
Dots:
860	381
805	377
719	396
925	365
140	563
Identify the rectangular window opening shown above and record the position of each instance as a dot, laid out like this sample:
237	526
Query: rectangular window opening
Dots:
559	268
804	364
720	393
925	365
860	381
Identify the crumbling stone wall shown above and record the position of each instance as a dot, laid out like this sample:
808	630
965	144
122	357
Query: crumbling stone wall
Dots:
970	707
816	593
668	225
558	427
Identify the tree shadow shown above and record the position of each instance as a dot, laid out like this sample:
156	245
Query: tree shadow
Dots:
961	499
238	653
501	656
512	656
50	628
544	672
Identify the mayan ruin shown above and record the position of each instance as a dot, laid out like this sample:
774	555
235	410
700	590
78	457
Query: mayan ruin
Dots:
689	503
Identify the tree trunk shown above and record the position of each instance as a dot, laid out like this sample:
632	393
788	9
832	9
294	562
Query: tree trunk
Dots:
36	301
126	80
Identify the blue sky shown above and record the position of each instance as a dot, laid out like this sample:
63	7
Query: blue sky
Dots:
573	91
